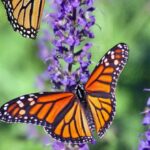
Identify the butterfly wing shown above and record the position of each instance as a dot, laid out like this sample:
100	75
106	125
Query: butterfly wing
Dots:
101	86
60	113
24	16
103	111
73	126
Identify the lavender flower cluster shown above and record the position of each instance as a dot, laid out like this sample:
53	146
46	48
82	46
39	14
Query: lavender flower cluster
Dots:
145	142
64	45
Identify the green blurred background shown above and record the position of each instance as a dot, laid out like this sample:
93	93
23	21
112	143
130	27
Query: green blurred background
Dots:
120	21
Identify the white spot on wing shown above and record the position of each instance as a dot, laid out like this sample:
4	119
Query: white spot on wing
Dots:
119	45
116	62
22	97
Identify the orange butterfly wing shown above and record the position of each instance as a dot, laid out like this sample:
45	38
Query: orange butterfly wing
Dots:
73	126
103	111
60	113
25	16
101	86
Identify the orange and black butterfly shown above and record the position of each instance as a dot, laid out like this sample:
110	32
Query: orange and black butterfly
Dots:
72	116
25	16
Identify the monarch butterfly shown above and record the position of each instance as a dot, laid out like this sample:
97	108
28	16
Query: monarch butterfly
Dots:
24	16
72	116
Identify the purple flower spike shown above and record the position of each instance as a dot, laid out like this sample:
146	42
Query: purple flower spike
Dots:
63	47
69	58
83	147
144	145
147	134
58	146
146	120
71	22
145	142
94	141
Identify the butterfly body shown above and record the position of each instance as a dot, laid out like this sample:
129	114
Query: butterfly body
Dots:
72	116
81	94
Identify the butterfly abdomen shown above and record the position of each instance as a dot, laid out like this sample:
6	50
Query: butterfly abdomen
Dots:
81	94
